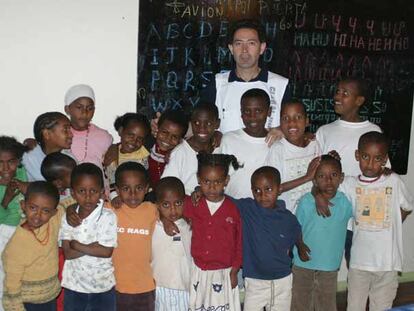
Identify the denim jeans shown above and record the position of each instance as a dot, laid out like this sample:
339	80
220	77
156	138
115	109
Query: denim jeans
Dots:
47	306
75	301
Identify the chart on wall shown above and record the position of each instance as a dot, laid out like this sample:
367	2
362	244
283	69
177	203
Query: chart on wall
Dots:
314	43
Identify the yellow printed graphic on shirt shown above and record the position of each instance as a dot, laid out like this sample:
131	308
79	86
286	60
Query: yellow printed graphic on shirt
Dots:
373	208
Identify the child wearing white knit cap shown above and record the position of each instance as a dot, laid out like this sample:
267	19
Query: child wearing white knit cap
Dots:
90	142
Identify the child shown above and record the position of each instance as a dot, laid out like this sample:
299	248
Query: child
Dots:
172	126
381	202
12	183
57	169
52	133
248	144
343	134
171	257
295	157
216	244
90	142
88	274
135	287
183	160
30	258
315	277
133	128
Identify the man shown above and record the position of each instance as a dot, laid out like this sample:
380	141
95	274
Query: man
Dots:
247	43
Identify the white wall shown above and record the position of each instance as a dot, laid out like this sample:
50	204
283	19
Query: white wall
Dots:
46	46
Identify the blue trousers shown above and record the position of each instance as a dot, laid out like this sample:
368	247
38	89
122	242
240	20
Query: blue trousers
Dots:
75	301
47	306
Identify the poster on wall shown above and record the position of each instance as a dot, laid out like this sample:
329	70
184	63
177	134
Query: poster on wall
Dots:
182	44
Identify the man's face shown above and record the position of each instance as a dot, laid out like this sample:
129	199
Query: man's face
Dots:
246	48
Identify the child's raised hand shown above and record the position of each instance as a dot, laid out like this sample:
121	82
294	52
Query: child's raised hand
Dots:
313	165
30	143
72	217
274	134
170	227
304	252
9	194
21	185
111	154
154	124
196	196
217	136
116	202
233	277
322	203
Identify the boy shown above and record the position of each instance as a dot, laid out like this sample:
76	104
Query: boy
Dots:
171	257
295	157
135	287
247	144
89	143
88	274
57	169
315	277
183	161
31	257
381	202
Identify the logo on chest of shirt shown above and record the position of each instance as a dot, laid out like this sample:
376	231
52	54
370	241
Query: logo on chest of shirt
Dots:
133	231
230	220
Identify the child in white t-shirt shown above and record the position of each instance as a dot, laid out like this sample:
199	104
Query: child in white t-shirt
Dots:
294	156
247	144
381	202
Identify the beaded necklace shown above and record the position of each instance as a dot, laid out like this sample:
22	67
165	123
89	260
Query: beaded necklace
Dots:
86	146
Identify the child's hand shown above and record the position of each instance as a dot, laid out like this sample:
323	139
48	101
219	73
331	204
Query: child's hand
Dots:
217	136
9	194
313	165
334	154
170	227
72	217
30	143
273	135
196	196
116	202
304	252
233	277
154	124
322	203
309	137
21	185
111	155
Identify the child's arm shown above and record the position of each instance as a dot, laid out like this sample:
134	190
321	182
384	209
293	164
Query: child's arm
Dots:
313	165
70	253
238	256
303	250
93	249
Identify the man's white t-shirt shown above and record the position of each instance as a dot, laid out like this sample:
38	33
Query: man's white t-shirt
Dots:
250	152
292	162
377	226
343	137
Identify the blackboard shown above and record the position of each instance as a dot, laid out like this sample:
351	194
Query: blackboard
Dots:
182	44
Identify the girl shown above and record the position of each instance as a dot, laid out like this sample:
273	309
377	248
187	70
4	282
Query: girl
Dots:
133	128
183	160
90	142
216	244
52	133
12	184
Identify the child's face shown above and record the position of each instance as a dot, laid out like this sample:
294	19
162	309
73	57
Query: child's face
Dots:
81	113
132	188
169	135
347	100
8	166
87	191
38	208
265	190
254	113
372	159
60	136
64	181
327	178
132	137
203	125
171	204
293	122
212	182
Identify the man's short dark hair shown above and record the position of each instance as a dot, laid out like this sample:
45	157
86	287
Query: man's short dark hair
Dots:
249	24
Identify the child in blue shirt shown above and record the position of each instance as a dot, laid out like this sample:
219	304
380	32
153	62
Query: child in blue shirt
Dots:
315	276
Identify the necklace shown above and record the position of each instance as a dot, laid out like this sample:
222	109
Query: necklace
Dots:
86	146
369	181
43	241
